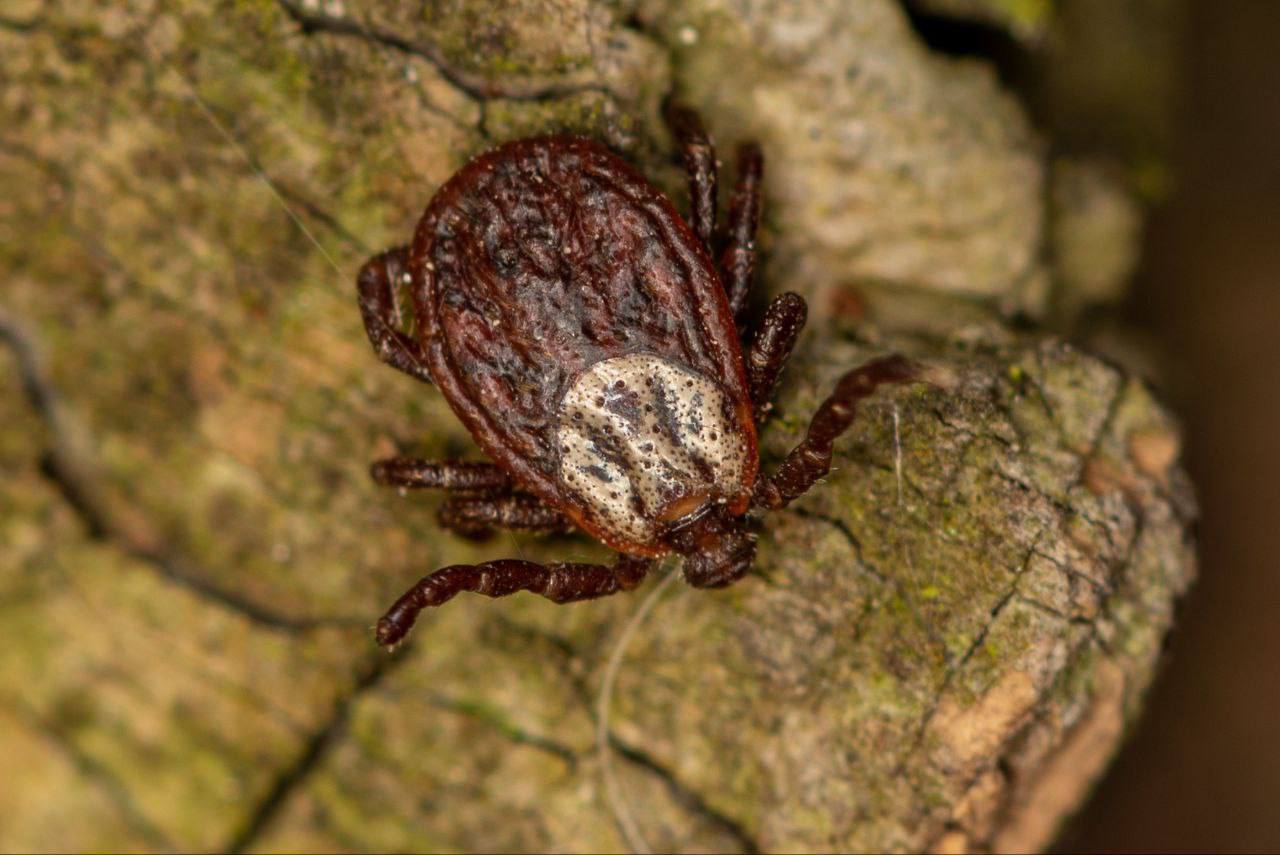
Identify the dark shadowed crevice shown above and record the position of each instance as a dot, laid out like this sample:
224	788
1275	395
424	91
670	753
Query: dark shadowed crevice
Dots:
1018	66
21	25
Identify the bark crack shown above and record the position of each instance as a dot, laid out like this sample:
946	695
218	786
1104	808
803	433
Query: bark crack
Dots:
505	727
974	646
290	779
21	25
854	543
95	772
477	86
108	519
683	794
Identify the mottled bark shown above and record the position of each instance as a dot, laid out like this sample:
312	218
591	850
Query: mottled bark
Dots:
940	647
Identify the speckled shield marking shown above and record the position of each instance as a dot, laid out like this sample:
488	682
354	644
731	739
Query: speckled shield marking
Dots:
644	441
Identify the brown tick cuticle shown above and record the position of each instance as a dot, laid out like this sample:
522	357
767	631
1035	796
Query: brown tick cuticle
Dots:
586	335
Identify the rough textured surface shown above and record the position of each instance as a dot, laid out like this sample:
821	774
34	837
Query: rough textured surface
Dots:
940	646
899	171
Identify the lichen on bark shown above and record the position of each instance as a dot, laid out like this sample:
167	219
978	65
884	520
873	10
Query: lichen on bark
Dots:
940	645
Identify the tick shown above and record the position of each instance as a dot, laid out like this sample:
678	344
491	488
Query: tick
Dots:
587	336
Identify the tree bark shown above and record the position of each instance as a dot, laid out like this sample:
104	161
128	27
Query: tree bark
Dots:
941	644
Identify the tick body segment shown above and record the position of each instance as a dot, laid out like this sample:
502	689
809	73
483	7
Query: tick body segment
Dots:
644	441
583	333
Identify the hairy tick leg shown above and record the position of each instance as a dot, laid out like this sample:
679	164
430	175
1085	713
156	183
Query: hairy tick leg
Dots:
376	287
516	512
475	532
738	263
560	583
458	477
811	459
770	348
699	157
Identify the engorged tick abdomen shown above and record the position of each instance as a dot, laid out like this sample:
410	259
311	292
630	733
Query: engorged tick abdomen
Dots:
543	258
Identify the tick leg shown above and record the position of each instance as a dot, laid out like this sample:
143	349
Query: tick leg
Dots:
383	321
811	459
699	157
770	348
738	263
560	583
463	478
477	517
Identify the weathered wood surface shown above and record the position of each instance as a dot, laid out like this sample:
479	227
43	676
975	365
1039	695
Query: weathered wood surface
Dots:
941	645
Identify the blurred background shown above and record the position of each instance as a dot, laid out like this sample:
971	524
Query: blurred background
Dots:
1202	769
